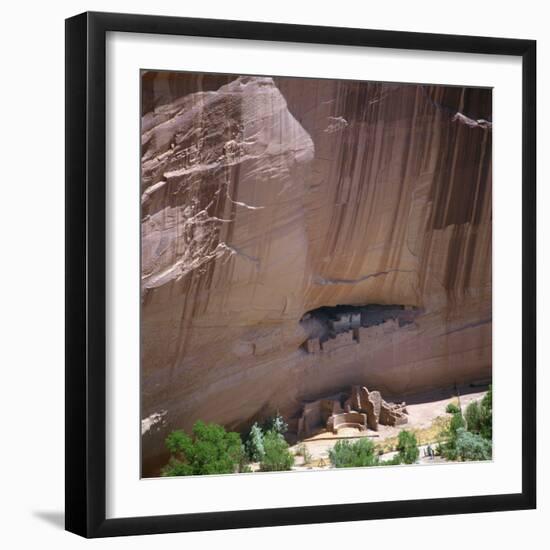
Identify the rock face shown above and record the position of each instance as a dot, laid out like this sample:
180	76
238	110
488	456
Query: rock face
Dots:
264	199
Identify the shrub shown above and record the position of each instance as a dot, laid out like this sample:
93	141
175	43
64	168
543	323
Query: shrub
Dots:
487	400
452	408
486	429
479	416
212	450
178	443
471	446
457	422
407	447
448	446
353	455
471	443
176	467
395	461
275	424
277	457
255	444
447	450
473	417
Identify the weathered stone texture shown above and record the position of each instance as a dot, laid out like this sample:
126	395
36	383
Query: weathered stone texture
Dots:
265	198
392	415
372	405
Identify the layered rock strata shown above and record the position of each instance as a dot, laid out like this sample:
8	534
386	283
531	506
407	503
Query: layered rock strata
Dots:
265	198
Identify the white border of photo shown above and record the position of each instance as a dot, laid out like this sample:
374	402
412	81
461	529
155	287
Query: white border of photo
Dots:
127	494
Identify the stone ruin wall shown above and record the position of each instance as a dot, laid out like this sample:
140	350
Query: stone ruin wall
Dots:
360	335
263	199
362	409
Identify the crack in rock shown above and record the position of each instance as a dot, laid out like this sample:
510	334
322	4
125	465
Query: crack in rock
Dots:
243	204
318	280
234	251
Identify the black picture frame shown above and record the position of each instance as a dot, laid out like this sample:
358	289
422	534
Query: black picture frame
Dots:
86	275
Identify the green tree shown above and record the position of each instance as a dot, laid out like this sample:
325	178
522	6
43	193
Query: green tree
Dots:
395	461
479	416
473	417
277	457
179	443
487	400
457	422
469	438
354	455
452	408
449	436
211	450
176	467
472	446
407	446
486	429
275	424
255	443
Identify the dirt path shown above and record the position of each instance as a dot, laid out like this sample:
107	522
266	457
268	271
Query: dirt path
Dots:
422	414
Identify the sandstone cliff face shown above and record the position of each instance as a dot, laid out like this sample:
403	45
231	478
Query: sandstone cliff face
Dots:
263	199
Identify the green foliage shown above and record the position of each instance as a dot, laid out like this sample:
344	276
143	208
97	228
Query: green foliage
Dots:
255	444
457	422
472	446
487	400
176	467
486	429
275	424
407	447
473	417
364	453
277	457
212	450
353	455
179	443
395	461
479	416
447	448
469	438
452	408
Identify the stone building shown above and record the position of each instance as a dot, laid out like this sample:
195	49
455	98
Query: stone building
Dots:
362	409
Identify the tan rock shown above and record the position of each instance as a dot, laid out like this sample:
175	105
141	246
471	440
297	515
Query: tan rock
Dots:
263	199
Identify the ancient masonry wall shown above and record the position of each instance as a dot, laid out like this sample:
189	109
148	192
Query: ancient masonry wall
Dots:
358	335
362	409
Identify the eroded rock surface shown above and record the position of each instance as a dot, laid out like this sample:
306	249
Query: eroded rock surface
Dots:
263	199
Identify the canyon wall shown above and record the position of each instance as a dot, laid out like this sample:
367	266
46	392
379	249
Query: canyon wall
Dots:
265	198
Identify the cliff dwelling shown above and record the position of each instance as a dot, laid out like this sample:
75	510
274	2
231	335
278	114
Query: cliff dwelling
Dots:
357	408
331	326
367	205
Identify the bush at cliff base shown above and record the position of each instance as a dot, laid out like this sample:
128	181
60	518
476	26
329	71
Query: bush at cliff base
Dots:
211	450
470	437
407	447
277	457
353	455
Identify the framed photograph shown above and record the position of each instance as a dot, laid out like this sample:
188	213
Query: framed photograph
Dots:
300	274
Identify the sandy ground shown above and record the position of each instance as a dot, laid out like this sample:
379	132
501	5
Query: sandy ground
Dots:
422	409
